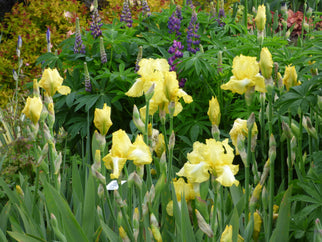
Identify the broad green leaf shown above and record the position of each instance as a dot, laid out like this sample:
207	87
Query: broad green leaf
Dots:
4	215
109	233
281	231
2	236
194	132
66	220
24	237
234	221
186	227
89	209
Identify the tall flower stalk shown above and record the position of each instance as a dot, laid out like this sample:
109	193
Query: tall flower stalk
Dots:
174	23
193	39
79	47
126	15
96	22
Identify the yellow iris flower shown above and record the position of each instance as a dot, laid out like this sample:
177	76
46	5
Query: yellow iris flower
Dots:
52	82
166	86
240	128
213	157
245	75
102	119
117	157
33	109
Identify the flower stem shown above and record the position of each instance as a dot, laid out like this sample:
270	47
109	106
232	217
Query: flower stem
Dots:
146	140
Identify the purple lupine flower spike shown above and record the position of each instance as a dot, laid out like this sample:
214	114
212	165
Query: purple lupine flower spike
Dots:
79	47
175	49
96	22
145	8
88	85
174	23
48	40
193	39
126	15
102	51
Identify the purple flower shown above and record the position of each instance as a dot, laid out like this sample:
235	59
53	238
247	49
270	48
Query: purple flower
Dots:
192	36
174	22
221	15
78	46
126	15
96	24
48	40
145	8
182	82
175	49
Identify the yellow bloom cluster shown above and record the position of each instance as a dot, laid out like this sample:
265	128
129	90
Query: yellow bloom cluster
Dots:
215	157
156	71
123	150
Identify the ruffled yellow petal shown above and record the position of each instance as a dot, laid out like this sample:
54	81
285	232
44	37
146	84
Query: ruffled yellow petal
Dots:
186	97
259	83
240	128
245	67
226	177
114	163
121	144
139	152
64	90
137	89
195	173
184	189
237	85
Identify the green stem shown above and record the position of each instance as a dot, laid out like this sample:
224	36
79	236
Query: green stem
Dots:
303	21
248	161
299	150
245	13
263	140
170	152
146	140
272	167
111	58
290	166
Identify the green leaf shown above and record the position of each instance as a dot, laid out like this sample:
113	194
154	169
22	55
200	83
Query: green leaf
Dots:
24	237
89	210
234	221
67	222
281	232
194	132
109	233
70	99
2	236
186	227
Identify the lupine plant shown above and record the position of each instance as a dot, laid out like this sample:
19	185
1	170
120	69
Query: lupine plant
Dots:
233	155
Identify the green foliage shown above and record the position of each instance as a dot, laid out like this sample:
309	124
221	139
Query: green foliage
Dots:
30	20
